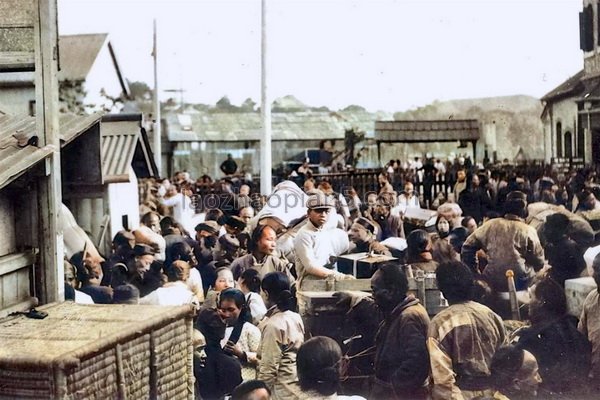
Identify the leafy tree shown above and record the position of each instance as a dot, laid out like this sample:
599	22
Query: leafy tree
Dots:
248	105
140	90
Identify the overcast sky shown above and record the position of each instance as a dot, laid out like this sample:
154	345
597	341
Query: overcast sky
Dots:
382	54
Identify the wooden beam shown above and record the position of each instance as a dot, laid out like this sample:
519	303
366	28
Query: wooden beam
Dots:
50	197
17	261
17	61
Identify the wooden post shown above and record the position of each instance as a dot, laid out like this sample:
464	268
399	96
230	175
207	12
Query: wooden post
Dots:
50	196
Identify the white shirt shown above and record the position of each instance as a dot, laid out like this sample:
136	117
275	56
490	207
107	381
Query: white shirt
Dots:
405	201
194	283
257	307
314	246
172	294
182	209
83	298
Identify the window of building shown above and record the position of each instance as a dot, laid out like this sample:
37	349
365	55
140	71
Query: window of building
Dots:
559	152
580	142
568	145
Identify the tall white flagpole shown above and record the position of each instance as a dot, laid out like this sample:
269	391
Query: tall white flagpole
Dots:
265	141
157	126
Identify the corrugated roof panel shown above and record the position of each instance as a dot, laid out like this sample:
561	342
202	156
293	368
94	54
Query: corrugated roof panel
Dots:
305	125
119	139
15	160
71	126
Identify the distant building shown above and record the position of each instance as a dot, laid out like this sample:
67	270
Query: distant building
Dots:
90	79
571	113
200	141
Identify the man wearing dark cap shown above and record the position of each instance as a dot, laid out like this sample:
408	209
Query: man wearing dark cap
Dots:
509	243
141	275
207	233
315	246
144	257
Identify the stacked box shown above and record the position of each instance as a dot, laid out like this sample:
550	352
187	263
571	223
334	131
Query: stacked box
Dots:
361	265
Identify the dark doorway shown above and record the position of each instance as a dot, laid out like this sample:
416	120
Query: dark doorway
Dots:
559	145
568	145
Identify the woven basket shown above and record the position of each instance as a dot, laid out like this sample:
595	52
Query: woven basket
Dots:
98	352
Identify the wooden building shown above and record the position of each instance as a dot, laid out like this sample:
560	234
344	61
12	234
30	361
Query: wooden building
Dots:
105	200
31	246
571	115
90	79
457	131
200	140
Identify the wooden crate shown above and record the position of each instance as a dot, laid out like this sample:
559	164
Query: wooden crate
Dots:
318	294
98	352
361	265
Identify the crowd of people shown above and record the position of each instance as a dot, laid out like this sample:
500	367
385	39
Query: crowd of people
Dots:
239	258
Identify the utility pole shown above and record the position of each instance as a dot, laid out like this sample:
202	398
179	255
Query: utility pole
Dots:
157	125
265	141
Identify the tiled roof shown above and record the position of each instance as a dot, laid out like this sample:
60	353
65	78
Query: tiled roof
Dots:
15	160
573	85
232	127
427	131
71	125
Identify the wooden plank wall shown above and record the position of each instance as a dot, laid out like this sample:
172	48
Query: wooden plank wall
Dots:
15	263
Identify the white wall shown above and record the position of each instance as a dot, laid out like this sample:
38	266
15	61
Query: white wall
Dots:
565	112
123	199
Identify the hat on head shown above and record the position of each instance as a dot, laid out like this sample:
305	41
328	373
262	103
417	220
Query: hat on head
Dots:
143	249
123	237
209	226
318	201
229	243
235	222
516	194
